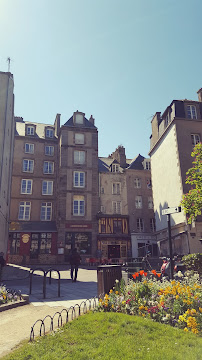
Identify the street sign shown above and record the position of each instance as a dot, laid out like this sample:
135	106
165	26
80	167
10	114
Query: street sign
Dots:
173	210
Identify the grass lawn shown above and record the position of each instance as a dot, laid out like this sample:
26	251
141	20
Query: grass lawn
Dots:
113	336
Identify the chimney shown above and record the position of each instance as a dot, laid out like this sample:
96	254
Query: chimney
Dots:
155	128
199	92
57	125
92	120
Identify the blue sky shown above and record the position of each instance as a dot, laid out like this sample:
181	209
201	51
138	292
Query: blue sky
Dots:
120	61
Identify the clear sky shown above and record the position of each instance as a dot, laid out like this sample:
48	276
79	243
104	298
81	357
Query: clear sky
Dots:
119	60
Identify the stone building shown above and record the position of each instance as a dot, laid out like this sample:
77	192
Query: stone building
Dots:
126	217
33	231
54	190
174	134
6	153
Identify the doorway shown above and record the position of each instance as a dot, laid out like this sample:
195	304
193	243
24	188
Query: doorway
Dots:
113	251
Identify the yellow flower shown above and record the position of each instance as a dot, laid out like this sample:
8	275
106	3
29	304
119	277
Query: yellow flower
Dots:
200	309
194	330
111	291
112	306
193	311
185	329
177	297
123	302
116	292
100	300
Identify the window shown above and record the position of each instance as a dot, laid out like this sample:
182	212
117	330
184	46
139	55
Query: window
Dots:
138	202
79	138
102	190
47	187
78	205
79	179
102	209
46	211
49	133
30	130
15	243
195	139
48	167
147	165
137	183
191	112
24	210
78	119
49	150
26	186
116	207
167	120
140	225
152	225
150	203
115	168
79	157
117	226
149	184
116	188
29	148
28	165
45	244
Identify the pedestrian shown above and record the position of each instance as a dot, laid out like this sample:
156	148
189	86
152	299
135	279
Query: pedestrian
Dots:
2	263
75	260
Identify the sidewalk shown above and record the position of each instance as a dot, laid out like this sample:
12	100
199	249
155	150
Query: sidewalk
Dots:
16	323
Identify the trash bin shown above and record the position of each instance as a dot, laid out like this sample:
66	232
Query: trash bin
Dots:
106	277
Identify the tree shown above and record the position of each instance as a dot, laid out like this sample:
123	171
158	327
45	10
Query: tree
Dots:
192	201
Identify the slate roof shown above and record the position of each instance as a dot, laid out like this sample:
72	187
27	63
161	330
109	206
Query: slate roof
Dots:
104	164
86	124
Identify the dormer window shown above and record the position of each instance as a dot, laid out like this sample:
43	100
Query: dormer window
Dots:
30	130
146	164
49	133
115	168
78	118
191	112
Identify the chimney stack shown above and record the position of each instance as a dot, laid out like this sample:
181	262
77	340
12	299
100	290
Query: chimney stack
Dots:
92	120
199	92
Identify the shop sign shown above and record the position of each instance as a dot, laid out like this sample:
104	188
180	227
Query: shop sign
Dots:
78	226
25	238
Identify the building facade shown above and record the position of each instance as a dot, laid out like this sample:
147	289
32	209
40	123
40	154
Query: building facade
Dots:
126	217
6	153
174	134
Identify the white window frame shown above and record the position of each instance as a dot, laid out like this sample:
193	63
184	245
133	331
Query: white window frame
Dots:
30	148
26	206
45	208
79	157
140	224
116	207
78	181
30	165
79	138
48	167
78	205
26	186
152	225
191	112
150	202
47	187
137	183
79	119
49	133
147	165
102	209
138	202
115	168
116	188
30	130
50	149
195	139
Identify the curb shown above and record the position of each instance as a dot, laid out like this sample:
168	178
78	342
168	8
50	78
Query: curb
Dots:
12	305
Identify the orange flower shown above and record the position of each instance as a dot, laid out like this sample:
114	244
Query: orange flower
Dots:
158	274
153	272
137	274
141	272
145	273
134	276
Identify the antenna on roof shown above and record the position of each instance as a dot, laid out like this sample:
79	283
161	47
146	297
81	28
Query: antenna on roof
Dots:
9	63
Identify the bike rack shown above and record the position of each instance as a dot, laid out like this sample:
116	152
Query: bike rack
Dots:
45	273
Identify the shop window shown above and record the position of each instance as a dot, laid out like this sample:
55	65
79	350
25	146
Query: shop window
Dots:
79	240
45	244
14	243
34	247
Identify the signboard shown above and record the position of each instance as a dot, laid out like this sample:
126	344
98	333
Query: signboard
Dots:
173	210
78	226
25	238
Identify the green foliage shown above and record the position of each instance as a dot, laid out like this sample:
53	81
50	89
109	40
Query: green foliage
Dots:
192	201
113	336
193	262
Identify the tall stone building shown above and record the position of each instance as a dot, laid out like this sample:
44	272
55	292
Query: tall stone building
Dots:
126	217
77	187
174	134
6	152
54	190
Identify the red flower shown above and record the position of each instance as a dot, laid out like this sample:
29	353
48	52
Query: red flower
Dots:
153	272
141	272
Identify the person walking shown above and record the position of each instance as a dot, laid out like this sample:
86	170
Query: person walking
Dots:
75	260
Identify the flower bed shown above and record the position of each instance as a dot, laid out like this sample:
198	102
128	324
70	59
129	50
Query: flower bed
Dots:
8	295
176	302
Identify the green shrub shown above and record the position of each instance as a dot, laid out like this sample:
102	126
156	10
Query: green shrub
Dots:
193	262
